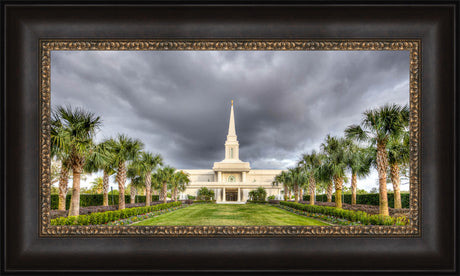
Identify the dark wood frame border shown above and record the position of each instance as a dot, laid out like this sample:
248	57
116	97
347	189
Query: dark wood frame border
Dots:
25	24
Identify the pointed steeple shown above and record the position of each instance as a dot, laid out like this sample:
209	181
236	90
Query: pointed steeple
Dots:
232	162
231	125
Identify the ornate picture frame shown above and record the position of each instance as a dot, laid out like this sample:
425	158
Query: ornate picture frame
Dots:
426	29
413	46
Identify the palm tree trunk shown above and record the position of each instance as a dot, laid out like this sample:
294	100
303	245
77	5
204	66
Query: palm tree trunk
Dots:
296	192
329	191
74	209
338	181
63	183
121	179
105	189
382	165
300	193
285	189
290	194
396	180
148	189
312	188
176	192
132	195
164	192
354	182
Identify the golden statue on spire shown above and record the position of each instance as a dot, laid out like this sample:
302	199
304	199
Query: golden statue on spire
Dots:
232	102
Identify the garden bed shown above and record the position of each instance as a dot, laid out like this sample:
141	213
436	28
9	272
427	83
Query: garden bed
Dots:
98	209
370	209
109	216
359	217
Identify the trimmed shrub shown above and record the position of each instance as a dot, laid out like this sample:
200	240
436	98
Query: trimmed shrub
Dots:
355	216
104	217
205	194
259	194
257	201
96	200
369	199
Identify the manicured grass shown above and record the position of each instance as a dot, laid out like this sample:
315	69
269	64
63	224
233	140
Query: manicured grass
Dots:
229	214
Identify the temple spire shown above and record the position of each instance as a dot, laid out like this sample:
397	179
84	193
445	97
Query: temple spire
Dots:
231	124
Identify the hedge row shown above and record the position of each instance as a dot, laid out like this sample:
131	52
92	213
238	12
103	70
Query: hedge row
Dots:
96	200
257	201
105	217
355	216
204	201
369	199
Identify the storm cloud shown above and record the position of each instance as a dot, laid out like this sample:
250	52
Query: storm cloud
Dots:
178	102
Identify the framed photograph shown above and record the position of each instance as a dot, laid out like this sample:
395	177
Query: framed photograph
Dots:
236	134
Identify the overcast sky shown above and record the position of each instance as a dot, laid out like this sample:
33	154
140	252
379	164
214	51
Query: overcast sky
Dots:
178	102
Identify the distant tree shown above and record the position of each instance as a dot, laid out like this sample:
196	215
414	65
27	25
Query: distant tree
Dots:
180	181
259	194
282	178
96	186
311	164
165	176
205	194
147	163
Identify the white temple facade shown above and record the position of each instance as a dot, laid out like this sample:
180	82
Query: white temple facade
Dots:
232	179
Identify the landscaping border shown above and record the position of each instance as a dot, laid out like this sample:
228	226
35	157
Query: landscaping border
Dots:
358	216
105	217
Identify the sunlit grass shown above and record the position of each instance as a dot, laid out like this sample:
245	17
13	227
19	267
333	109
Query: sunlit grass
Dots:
230	214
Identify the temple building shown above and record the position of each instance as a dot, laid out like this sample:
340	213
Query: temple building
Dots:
232	179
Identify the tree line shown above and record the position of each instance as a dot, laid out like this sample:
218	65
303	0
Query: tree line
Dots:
380	140
72	143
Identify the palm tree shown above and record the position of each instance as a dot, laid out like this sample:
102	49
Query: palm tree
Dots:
282	178
359	162
377	127
137	180
336	162
311	164
297	178
124	149
398	154
102	159
96	185
180	180
165	176
156	183
62	156
147	164
136	183
74	137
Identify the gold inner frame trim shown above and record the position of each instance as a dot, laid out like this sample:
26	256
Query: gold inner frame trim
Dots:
412	230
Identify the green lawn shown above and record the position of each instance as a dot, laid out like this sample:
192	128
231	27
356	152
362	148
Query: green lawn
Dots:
230	214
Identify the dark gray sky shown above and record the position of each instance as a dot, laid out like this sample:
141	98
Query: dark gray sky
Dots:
178	102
